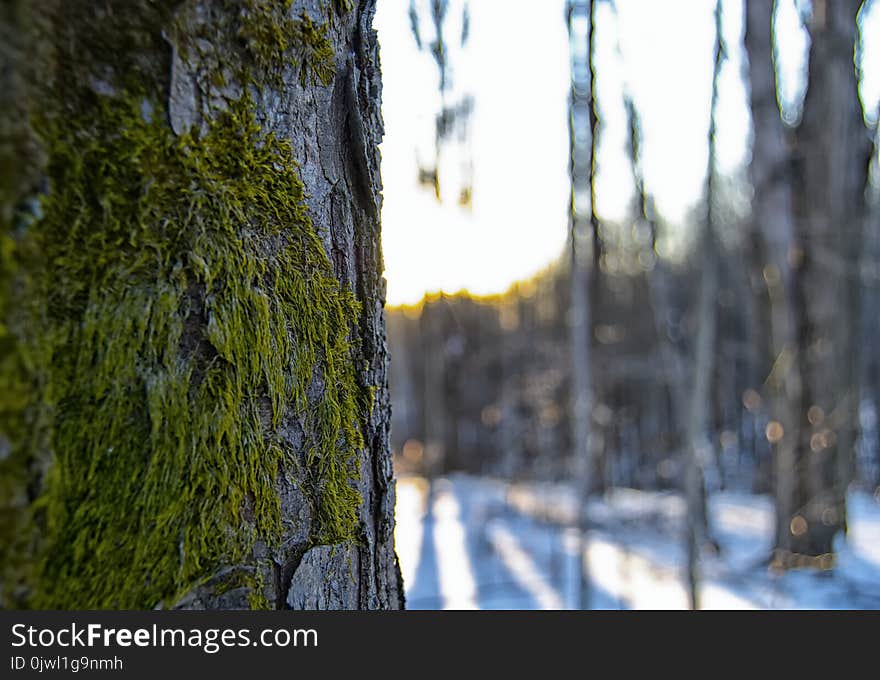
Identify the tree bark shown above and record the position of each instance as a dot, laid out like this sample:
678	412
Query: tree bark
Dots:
194	322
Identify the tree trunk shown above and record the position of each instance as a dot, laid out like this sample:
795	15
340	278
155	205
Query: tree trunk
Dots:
773	225
832	151
871	301
582	173
193	333
701	385
436	429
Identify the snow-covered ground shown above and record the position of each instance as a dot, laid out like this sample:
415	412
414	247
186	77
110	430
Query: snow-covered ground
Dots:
474	543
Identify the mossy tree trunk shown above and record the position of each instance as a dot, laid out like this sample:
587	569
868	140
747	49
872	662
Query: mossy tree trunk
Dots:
193	393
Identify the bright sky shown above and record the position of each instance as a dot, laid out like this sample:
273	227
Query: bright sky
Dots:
517	67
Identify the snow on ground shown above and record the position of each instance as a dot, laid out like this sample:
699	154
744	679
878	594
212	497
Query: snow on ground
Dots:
467	542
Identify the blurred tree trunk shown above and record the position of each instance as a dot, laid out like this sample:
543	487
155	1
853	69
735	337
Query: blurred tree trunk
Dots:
831	155
774	237
193	394
434	335
871	302
512	459
581	171
701	384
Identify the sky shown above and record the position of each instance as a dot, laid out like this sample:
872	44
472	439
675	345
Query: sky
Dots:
516	65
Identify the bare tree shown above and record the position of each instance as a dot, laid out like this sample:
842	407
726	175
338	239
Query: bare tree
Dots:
703	367
582	172
435	416
832	148
454	115
773	224
870	301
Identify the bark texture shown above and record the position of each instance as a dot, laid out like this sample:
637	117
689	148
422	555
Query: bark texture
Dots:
273	297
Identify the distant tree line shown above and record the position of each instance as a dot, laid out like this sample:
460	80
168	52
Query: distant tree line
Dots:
748	360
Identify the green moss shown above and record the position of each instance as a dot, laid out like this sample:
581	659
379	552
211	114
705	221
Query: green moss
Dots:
21	160
174	308
272	36
161	447
313	53
342	6
256	593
